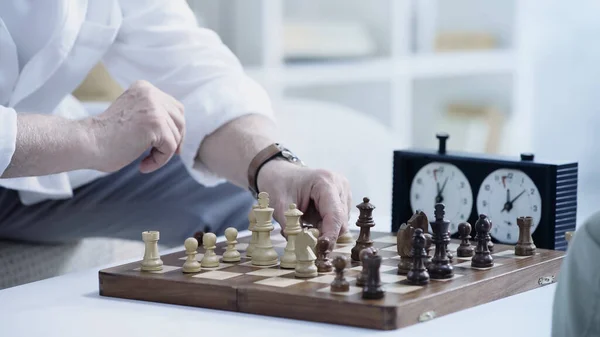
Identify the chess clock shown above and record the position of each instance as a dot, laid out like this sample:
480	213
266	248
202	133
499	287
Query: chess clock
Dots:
503	188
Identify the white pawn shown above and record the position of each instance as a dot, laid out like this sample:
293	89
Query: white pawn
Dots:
210	259
191	265
231	254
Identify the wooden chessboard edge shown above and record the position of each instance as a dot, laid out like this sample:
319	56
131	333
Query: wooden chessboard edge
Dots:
169	291
320	310
483	291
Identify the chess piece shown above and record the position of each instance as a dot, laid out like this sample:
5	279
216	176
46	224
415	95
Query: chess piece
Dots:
231	254
345	238
151	260
569	236
191	265
323	250
428	244
525	245
315	232
339	283
418	274
305	254
482	257
449	253
365	222
404	248
210	259
489	240
440	267
361	280
264	254
251	225
292	229
465	249
373	290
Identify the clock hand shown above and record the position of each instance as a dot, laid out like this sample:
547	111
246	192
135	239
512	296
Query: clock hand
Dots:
517	197
507	204
443	186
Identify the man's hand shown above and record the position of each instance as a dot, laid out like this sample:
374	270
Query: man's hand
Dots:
323	196
142	118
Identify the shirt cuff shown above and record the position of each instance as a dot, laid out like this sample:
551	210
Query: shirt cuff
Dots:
8	136
213	106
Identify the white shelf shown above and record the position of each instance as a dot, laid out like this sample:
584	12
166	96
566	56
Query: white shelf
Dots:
421	66
461	64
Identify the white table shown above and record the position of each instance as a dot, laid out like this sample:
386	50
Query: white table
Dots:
69	305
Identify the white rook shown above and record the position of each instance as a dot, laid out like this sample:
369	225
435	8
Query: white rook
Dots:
151	261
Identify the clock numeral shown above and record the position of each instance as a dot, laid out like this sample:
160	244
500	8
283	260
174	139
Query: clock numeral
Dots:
497	177
487	187
419	181
465	201
532	191
417	196
484	203
508	236
495	229
462	184
509	176
535	208
462	216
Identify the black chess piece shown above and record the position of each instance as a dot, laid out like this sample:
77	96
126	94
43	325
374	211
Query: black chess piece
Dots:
418	274
525	245
373	289
361	280
482	257
465	249
440	267
339	284
365	222
323	262
428	244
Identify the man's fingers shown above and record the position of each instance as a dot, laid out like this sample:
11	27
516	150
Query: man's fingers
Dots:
161	153
331	209
176	133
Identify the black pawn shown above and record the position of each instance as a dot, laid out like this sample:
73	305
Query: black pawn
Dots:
482	258
418	274
373	289
440	267
465	249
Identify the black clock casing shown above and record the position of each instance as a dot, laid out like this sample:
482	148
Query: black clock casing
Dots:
556	182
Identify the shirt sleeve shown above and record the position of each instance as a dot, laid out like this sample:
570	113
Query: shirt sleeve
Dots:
8	136
160	41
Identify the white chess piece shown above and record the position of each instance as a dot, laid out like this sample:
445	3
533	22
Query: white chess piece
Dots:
345	238
231	254
264	254
305	255
151	261
210	259
251	224
191	265
293	228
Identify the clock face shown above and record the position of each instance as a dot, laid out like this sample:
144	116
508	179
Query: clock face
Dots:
444	183
504	196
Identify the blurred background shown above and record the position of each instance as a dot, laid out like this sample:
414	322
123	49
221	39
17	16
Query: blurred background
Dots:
353	80
501	76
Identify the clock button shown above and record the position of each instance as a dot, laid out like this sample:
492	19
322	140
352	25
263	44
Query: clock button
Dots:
527	156
442	137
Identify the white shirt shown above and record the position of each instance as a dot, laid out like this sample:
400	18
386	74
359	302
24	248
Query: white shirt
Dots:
48	47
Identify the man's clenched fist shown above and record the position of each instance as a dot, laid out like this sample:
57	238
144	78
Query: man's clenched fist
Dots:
142	118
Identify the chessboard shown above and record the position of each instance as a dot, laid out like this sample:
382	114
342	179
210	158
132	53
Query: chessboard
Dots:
271	290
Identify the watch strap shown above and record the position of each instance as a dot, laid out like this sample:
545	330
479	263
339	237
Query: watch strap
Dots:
267	154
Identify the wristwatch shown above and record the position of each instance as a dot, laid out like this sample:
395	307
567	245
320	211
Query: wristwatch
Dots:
273	151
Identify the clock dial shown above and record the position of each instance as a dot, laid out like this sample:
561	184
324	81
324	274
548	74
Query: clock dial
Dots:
444	183
505	195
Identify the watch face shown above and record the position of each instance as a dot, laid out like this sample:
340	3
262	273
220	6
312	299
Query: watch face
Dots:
444	183
504	196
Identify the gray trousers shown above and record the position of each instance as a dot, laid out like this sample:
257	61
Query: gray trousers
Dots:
126	203
576	307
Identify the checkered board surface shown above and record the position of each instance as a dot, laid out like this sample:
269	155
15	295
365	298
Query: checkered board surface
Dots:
275	291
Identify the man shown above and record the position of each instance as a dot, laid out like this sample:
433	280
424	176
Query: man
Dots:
177	152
